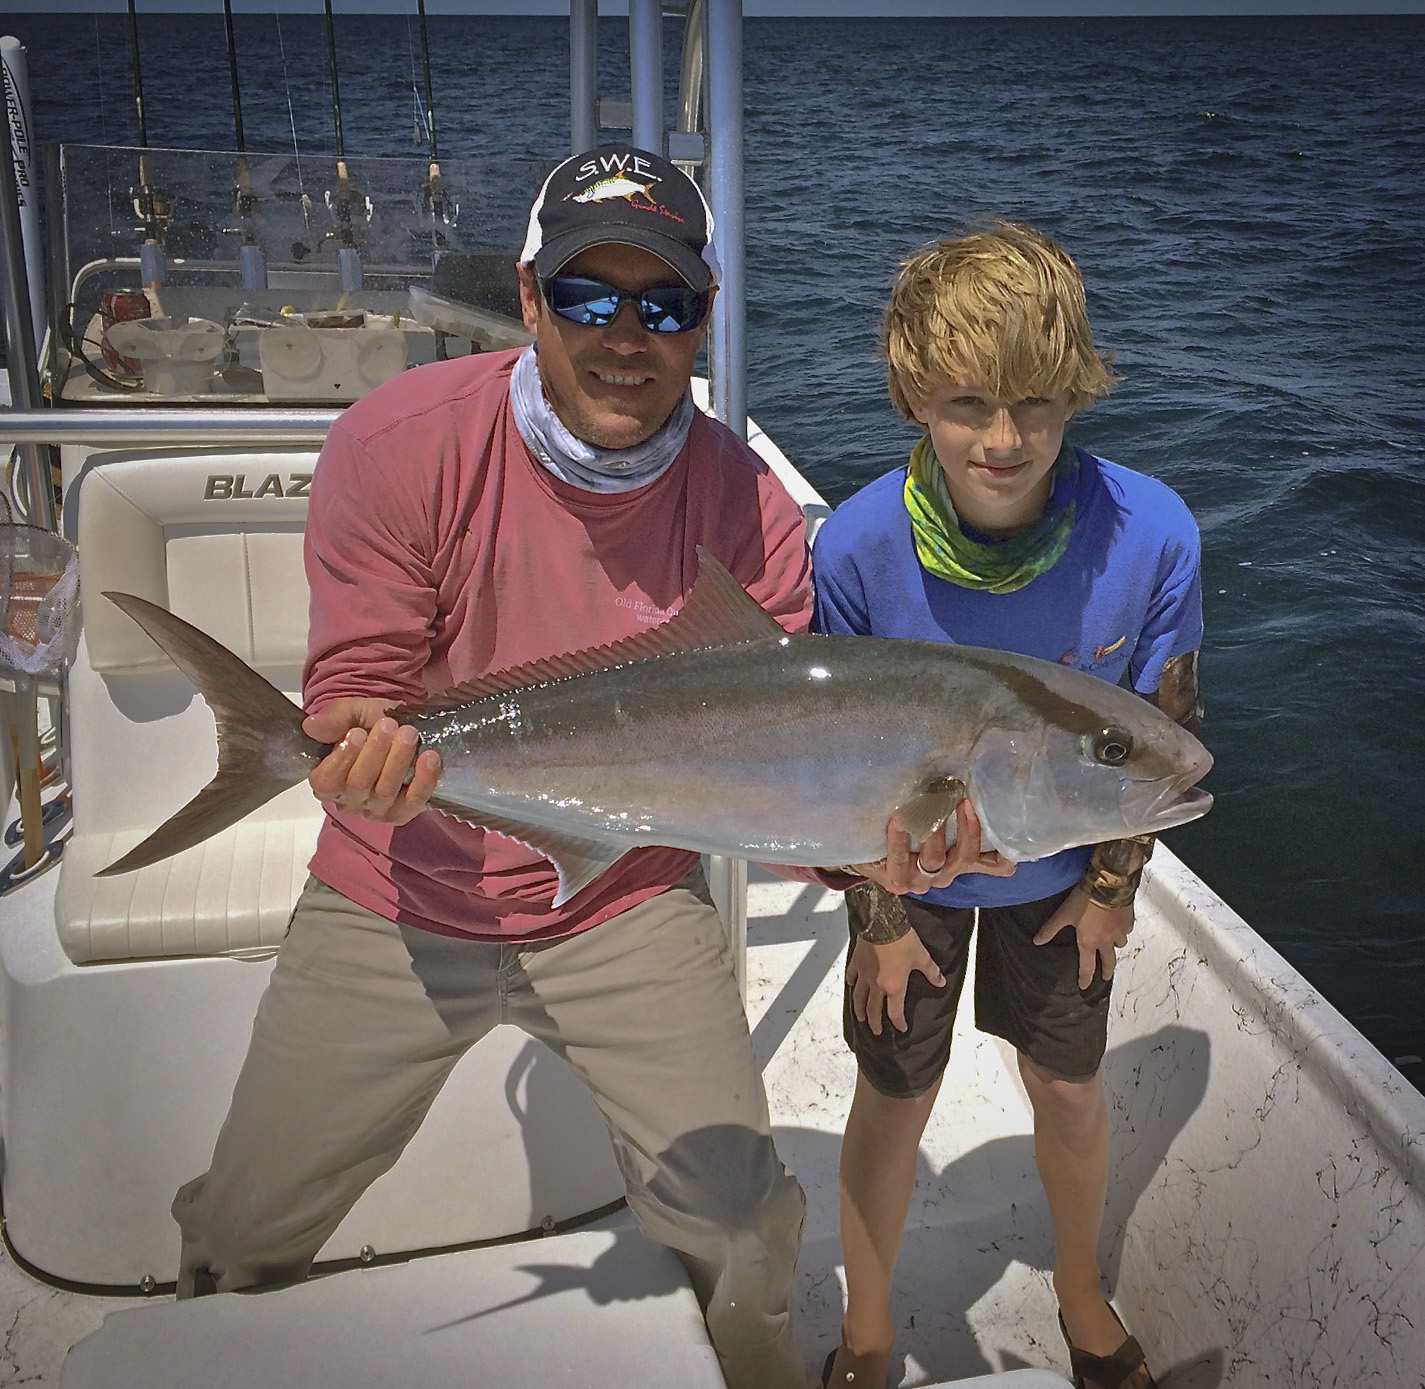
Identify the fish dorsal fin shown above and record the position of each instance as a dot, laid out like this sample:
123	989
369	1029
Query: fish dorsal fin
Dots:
578	859
718	612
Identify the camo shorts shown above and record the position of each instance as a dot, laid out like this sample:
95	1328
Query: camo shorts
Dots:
1025	993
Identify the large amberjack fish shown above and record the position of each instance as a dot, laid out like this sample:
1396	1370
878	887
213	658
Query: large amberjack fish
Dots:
719	732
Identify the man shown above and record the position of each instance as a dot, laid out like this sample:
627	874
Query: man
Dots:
467	518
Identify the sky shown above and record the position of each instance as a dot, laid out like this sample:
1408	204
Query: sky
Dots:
751	8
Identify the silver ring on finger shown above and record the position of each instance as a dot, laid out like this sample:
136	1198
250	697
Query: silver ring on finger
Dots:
929	872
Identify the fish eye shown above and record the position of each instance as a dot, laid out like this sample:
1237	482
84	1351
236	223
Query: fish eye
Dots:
1112	746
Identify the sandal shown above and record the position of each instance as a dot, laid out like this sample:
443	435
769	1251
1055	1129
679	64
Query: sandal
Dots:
843	1370
1105	1371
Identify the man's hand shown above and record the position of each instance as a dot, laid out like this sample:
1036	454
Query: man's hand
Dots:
365	772
878	975
1101	932
903	871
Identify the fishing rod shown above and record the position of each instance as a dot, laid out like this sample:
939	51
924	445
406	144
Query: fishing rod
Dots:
433	189
346	196
150	202
300	249
254	267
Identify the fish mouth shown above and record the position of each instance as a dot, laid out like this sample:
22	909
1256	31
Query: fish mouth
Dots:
1184	806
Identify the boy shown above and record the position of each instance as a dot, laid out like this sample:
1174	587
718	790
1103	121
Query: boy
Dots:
1000	534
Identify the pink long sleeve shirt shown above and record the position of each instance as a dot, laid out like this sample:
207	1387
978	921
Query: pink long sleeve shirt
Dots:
438	550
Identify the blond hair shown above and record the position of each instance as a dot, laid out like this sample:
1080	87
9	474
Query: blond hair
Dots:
1003	306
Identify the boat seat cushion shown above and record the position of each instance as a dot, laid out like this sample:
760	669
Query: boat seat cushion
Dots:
216	538
231	895
172	530
600	1308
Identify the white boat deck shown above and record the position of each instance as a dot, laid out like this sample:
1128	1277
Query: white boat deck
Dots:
1265	1215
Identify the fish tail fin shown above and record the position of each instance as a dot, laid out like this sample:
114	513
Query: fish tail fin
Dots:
261	747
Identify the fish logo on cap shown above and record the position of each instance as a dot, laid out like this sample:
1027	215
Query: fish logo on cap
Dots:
617	185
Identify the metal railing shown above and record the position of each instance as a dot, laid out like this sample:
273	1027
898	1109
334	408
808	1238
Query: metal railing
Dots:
166	427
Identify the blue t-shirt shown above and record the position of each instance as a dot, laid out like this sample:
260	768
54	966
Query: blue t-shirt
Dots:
1123	598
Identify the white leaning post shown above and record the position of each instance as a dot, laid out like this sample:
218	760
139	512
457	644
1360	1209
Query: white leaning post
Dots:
727	881
727	878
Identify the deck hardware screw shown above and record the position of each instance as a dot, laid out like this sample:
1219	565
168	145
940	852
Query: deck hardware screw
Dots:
147	1284
547	1225
367	1254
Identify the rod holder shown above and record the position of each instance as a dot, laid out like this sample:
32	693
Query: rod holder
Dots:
254	267
348	265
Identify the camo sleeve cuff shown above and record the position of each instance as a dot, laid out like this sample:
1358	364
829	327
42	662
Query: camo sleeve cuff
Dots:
1179	692
876	915
1115	870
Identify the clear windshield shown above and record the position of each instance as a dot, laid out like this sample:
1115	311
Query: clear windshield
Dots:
193	274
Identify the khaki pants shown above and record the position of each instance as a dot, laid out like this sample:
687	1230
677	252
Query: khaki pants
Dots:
363	1020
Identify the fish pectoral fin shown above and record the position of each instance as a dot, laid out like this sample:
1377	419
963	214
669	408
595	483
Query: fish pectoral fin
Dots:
578	859
923	815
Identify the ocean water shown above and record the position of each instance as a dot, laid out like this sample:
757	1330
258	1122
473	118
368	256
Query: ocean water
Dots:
1244	198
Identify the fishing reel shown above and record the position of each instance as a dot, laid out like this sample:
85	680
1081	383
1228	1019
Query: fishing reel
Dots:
151	203
244	202
346	200
154	209
434	207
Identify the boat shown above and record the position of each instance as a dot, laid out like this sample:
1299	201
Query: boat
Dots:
1266	1218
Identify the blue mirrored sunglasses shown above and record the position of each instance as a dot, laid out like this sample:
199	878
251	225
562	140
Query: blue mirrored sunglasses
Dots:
662	309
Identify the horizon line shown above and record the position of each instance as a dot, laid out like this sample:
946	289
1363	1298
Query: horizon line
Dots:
783	9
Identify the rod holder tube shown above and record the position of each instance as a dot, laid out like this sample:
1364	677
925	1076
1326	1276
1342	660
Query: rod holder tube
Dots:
645	54
348	266
153	264
583	75
17	112
727	348
254	267
20	359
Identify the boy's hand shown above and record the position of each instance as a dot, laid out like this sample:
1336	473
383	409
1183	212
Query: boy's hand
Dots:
936	865
366	771
1101	932
878	974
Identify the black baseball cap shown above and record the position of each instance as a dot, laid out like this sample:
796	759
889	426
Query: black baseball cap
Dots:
620	193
